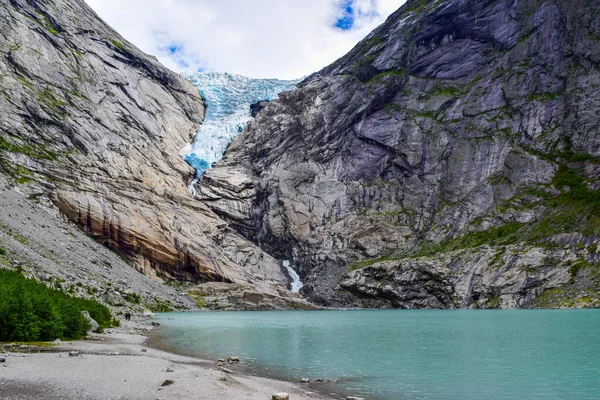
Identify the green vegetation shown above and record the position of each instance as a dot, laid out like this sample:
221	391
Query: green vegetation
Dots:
568	297
161	306
447	91
117	44
543	97
382	76
575	209
30	311
18	237
132	298
199	299
419	6
36	152
47	97
45	22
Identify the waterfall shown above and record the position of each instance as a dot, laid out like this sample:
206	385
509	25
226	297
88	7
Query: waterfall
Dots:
296	284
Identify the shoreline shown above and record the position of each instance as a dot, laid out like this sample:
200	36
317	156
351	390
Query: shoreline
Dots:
121	364
325	389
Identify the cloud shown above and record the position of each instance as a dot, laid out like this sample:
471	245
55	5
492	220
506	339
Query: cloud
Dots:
259	38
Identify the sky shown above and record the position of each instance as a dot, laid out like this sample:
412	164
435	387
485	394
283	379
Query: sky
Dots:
285	39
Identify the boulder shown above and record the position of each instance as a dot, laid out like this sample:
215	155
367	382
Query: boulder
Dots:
114	299
93	324
280	396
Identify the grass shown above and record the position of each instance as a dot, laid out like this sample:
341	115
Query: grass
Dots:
45	22
132	298
161	306
542	97
47	97
117	44
199	299
384	75
30	151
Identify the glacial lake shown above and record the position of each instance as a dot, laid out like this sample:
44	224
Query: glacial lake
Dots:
406	354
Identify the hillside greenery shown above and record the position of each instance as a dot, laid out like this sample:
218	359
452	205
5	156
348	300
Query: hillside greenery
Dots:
30	311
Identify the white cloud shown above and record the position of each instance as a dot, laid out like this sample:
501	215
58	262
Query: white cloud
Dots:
257	38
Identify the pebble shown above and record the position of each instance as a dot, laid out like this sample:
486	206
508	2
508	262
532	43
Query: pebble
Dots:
73	354
144	350
280	396
168	382
227	371
2	359
233	359
220	363
170	370
354	398
305	380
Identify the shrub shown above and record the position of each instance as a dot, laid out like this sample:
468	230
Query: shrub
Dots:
30	311
132	298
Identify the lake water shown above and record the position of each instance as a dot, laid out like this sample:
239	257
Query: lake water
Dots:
401	355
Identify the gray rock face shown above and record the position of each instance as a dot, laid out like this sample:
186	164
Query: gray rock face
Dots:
92	126
55	252
453	117
93	324
247	297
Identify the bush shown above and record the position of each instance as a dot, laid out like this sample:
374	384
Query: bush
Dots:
30	311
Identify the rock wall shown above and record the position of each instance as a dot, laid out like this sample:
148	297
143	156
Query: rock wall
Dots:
95	125
464	132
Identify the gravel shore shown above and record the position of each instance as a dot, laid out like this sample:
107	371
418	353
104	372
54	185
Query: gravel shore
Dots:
117	365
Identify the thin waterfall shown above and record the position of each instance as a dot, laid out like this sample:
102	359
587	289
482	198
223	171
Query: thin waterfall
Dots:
296	284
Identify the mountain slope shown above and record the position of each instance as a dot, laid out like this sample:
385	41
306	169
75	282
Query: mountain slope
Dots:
450	160
91	126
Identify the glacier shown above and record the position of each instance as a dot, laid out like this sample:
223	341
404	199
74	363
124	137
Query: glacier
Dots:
228	98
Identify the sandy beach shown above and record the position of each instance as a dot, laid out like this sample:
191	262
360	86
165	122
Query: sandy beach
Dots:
118	365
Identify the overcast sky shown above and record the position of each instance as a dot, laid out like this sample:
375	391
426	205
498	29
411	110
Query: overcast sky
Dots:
284	39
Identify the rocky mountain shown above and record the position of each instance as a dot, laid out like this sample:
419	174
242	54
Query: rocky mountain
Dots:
91	129
451	159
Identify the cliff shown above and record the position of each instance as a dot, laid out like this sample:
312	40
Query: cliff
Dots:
451	159
91	129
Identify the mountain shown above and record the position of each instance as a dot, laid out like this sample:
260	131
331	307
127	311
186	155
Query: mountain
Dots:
451	159
91	129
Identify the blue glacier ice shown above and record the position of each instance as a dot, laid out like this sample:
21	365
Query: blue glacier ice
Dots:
228	99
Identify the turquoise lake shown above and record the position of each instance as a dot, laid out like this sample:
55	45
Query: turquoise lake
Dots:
402	355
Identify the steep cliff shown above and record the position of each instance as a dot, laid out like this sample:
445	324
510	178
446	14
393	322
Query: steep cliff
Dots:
91	126
451	159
